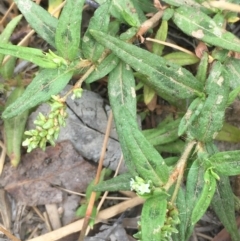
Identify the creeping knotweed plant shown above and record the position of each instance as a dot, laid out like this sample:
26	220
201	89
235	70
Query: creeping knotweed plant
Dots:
47	127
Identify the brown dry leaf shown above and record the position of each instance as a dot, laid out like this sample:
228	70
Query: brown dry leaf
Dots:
33	182
200	49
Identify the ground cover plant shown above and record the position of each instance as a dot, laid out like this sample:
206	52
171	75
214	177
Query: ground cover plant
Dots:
177	190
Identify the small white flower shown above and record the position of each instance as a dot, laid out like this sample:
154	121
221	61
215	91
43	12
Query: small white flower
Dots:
140	186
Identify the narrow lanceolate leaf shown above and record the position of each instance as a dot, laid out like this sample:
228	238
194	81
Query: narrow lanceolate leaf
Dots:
181	205
192	113
67	38
232	65
205	198
7	70
152	218
202	68
148	163
229	133
43	86
172	147
35	56
8	30
145	6
14	128
181	58
125	11
91	49
160	35
200	26
167	79
233	95
223	206
163	134
178	3
119	183
210	121
105	173
121	91
226	163
39	19
195	182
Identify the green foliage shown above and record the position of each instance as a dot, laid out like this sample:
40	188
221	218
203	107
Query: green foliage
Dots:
201	96
14	128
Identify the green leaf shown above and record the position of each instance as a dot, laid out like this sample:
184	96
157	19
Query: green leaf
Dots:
91	49
163	134
192	113
219	19
39	19
104	68
118	183
170	161
229	133
220	54
7	70
172	147
113	27
147	161
67	38
152	218
202	68
233	95
181	205
7	31
181	58
205	198
176	82
210	121
122	93
194	185
47	83
81	212
126	12
178	3
223	206
33	55
200	26
145	5
105	173
168	13
160	35
130	33
226	163
232	65
14	128
121	90
148	94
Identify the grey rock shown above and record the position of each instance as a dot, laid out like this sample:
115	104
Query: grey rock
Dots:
85	128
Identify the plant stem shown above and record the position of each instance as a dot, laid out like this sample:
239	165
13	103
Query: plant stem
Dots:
79	82
178	171
84	77
100	164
